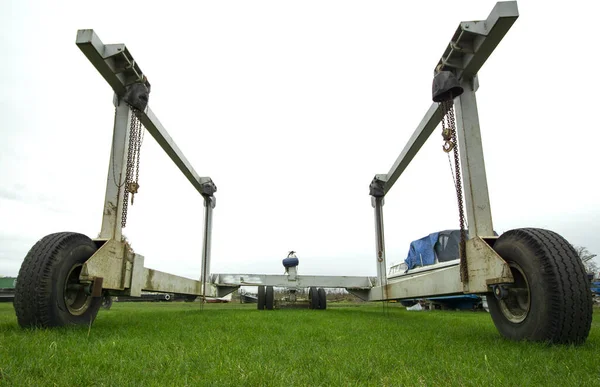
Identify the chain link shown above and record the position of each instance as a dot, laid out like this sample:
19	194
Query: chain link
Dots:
451	144
133	162
120	183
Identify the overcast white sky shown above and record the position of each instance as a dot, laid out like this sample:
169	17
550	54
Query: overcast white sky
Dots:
292	108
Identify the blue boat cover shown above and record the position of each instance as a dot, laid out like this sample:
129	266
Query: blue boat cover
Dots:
421	252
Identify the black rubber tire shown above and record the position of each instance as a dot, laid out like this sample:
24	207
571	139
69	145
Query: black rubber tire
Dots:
322	298
261	297
40	291
269	298
313	295
558	308
107	301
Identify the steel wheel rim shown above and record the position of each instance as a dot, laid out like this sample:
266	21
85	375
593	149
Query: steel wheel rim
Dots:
516	305
75	297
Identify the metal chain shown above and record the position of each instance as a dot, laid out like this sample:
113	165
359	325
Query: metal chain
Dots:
112	152
451	144
133	163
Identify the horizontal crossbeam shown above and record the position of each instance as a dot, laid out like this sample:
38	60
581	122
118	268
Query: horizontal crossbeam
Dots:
119	69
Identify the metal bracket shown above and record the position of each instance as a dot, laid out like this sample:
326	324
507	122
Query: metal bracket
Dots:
207	187
97	287
377	186
222	291
485	267
108	263
137	276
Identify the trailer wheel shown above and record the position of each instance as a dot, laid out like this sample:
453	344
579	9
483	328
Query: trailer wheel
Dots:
261	297
313	294
550	300
48	291
269	298
322	298
106	301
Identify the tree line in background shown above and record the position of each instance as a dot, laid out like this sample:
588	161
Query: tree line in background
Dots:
588	260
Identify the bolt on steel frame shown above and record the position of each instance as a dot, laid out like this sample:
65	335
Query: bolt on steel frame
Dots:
123	272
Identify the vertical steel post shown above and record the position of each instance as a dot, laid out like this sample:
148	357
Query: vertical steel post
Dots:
115	182
477	200
377	203
209	205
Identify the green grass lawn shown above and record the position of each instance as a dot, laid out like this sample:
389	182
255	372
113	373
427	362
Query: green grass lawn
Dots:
236	345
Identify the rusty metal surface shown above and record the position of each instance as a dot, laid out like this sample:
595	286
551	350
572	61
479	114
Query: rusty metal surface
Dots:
485	267
97	287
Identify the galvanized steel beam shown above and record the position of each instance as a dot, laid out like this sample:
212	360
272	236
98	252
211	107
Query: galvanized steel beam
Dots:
474	178
377	203
469	48
474	41
436	282
117	168
119	73
300	281
427	125
158	281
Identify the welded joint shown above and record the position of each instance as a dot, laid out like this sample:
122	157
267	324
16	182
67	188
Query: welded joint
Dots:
485	267
109	263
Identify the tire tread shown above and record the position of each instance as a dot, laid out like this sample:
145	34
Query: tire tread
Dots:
568	295
34	281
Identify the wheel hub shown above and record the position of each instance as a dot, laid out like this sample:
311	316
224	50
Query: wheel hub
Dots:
77	299
516	303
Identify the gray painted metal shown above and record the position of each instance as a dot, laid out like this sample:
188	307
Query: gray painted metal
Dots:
377	203
117	164
163	139
300	281
485	266
103	58
477	199
435	282
158	281
468	49
109	263
430	121
137	276
112	262
474	41
209	205
478	39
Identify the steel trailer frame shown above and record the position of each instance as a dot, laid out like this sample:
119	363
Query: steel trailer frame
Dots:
471	45
123	272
